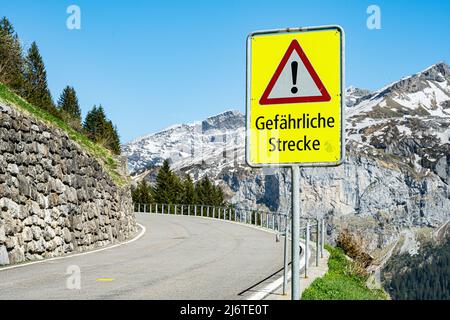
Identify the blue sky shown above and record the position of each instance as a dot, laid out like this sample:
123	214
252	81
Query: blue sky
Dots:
155	63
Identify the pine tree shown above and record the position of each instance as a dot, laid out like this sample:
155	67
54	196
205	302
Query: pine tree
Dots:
110	138
188	191
142	193
94	123
36	89
204	190
69	107
217	196
161	192
101	130
11	59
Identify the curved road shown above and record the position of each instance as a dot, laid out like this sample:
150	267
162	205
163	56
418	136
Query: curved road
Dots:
179	257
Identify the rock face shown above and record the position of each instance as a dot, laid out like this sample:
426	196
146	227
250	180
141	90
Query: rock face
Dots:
54	197
396	174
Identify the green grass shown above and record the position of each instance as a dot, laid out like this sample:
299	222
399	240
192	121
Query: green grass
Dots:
102	154
341	282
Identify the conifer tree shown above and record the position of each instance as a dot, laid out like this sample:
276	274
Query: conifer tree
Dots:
110	137
164	182
204	191
101	130
94	122
218	196
11	59
36	89
188	191
142	193
69	107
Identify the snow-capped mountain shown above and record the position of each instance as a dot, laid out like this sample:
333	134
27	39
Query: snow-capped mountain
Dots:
396	175
188	144
353	95
409	118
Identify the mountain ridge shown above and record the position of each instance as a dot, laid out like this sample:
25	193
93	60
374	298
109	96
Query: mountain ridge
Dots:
395	176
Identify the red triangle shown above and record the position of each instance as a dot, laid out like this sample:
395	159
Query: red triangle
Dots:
325	96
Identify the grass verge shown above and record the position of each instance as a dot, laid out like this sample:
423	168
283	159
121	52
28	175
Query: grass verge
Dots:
341	282
102	154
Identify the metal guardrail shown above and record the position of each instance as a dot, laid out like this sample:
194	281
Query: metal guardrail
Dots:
311	229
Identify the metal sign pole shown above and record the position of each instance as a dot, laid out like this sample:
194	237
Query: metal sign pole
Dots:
295	232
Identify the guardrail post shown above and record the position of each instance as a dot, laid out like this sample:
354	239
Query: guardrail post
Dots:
286	257
306	248
195	210
317	241
323	238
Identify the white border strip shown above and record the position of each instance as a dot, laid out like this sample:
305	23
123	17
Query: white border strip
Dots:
143	230
271	287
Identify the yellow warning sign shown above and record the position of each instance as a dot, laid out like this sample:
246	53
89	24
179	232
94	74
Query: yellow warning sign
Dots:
295	97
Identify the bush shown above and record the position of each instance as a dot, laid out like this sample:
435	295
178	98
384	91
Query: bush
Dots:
341	282
353	248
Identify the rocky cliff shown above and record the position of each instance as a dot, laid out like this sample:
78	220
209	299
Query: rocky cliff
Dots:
55	198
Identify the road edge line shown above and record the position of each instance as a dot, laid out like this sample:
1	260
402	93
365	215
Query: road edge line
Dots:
274	285
137	237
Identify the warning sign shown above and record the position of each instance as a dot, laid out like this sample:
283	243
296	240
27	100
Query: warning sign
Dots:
295	80
295	97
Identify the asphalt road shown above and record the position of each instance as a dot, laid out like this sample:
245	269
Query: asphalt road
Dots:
179	257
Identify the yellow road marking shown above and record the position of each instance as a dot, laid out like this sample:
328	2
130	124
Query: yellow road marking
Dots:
104	279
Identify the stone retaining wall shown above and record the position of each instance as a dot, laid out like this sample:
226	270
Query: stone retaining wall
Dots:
54	197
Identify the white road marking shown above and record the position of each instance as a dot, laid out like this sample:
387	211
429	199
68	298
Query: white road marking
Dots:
143	230
271	287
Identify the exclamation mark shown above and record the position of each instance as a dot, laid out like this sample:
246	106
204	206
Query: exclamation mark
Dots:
294	67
